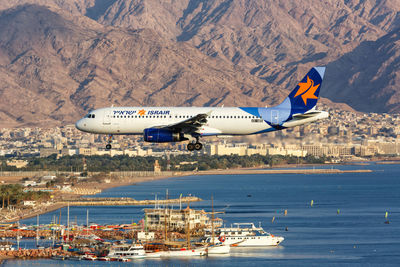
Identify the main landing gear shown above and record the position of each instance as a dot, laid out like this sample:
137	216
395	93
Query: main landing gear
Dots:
195	146
108	146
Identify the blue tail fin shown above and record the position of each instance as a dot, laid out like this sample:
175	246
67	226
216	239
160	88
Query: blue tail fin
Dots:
305	95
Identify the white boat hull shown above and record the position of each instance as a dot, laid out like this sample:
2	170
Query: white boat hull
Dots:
255	241
185	253
219	249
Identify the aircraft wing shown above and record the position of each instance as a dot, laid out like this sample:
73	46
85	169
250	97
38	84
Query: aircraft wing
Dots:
189	125
305	115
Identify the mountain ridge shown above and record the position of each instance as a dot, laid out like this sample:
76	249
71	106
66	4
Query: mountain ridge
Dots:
59	59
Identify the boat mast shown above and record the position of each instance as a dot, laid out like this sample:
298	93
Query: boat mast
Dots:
37	230
18	235
87	221
165	216
67	240
188	227
212	220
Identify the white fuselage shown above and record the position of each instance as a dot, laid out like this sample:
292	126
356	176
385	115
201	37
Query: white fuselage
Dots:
220	120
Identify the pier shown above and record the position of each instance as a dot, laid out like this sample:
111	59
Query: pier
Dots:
125	201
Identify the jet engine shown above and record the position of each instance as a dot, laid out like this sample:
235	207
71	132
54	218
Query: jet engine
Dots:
160	135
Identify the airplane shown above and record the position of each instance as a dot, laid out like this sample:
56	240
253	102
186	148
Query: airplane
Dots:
176	124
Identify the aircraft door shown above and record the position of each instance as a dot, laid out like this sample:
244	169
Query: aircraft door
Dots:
275	117
107	117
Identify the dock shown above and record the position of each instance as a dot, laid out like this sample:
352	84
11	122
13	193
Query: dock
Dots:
125	201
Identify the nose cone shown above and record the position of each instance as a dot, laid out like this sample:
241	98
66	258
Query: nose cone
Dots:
80	125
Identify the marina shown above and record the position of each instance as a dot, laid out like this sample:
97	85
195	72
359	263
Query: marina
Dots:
314	235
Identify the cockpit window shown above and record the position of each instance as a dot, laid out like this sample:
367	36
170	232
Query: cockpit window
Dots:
90	116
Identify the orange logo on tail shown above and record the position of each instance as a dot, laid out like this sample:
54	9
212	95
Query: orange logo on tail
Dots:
141	112
307	90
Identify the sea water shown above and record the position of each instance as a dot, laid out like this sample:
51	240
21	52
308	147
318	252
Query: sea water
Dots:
344	226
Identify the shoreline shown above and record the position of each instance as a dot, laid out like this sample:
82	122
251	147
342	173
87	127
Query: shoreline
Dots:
136	180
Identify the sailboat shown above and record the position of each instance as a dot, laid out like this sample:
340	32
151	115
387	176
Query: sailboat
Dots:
216	247
187	251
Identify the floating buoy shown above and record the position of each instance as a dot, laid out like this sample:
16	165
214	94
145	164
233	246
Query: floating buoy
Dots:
338	211
312	203
273	219
386	217
285	213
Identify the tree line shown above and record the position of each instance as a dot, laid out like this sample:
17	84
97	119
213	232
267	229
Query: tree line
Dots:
13	194
105	163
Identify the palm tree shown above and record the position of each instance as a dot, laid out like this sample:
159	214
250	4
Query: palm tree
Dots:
3	194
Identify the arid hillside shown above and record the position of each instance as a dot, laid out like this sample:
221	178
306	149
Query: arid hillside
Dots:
59	59
53	70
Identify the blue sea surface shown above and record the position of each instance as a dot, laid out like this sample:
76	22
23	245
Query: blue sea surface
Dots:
344	227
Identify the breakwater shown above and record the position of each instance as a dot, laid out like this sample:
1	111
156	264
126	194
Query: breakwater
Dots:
31	253
124	201
130	174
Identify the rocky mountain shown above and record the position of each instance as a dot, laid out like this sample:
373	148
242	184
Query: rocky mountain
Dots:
368	77
58	59
274	40
54	70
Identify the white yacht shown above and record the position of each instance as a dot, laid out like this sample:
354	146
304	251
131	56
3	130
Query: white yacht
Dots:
245	235
126	251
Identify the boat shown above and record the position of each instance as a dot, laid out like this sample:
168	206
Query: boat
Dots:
245	235
103	259
127	251
154	254
119	259
185	252
89	257
60	257
218	248
75	258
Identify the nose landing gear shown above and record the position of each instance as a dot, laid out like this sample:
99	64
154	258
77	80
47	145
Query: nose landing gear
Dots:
108	146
